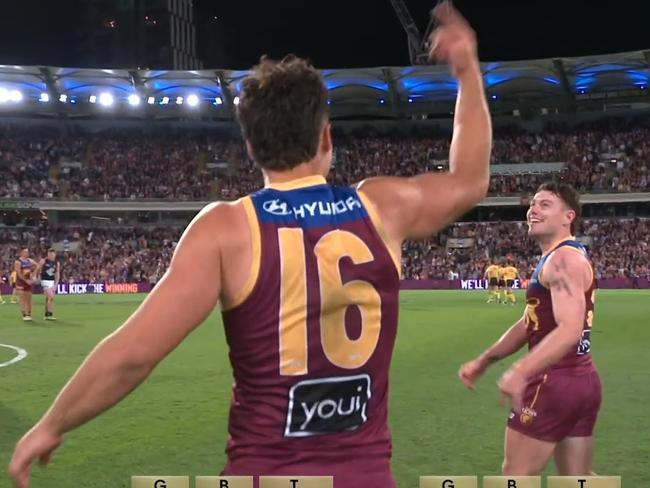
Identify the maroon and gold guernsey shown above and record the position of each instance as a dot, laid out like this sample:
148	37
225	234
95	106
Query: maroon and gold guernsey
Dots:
540	320
311	338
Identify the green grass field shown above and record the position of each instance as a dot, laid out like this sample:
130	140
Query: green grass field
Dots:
175	423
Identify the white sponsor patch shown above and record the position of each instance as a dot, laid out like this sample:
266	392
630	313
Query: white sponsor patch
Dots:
328	405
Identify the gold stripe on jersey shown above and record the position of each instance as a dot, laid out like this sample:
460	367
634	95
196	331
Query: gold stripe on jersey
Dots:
376	221
256	241
299	183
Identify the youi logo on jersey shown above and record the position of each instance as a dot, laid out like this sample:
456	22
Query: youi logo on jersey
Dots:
328	405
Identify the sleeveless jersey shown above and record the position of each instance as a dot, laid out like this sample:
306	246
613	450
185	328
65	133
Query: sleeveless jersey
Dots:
510	273
48	272
492	271
540	320
24	264
311	344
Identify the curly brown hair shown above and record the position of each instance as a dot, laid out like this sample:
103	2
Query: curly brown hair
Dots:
282	111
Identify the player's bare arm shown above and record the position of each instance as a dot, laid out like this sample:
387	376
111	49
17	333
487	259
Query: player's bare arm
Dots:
567	274
39	267
509	343
126	357
419	206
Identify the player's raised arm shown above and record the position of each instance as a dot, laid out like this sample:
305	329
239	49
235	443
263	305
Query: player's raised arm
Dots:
180	302
568	275
419	206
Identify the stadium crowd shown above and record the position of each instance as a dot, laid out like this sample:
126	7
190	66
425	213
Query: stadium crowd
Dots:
108	166
618	248
127	254
110	255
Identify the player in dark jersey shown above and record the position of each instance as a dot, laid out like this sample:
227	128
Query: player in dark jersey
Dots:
49	270
555	389
307	276
24	267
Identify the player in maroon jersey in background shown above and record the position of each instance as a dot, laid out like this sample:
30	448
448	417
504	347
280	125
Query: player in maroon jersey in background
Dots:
24	267
555	389
307	275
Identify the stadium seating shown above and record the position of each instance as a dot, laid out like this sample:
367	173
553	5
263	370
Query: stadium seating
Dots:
607	157
620	247
41	164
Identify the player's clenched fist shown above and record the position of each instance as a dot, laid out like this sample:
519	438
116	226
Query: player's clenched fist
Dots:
453	41
472	371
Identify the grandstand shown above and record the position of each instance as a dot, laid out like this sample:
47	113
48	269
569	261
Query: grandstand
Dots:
108	167
153	147
524	89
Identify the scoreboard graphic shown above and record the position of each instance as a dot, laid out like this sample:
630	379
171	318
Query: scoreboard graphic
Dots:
425	482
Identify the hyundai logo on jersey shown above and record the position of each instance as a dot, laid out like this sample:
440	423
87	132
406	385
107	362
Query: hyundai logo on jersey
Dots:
311	207
276	207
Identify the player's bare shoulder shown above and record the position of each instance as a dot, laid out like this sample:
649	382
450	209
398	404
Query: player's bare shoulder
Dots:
224	229
390	195
567	267
212	229
218	217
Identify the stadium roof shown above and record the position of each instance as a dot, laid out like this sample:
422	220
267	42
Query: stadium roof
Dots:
562	83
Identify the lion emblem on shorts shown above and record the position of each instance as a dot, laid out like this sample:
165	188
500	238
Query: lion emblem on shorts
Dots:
527	416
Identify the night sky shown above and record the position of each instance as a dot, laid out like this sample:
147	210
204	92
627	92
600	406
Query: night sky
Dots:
345	33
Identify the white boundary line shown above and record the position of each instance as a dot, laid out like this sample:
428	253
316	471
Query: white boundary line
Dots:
22	354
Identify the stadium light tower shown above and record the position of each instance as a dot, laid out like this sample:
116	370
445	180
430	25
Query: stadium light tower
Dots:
418	44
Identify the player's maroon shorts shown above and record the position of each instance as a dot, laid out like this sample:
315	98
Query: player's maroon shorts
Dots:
23	285
560	404
354	473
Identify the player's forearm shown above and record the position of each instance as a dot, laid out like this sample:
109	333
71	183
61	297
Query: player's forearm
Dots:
549	351
469	155
508	344
105	378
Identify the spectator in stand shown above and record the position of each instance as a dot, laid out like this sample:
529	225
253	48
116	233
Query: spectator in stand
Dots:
620	248
609	157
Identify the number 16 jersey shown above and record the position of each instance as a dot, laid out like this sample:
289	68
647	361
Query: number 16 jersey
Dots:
312	336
